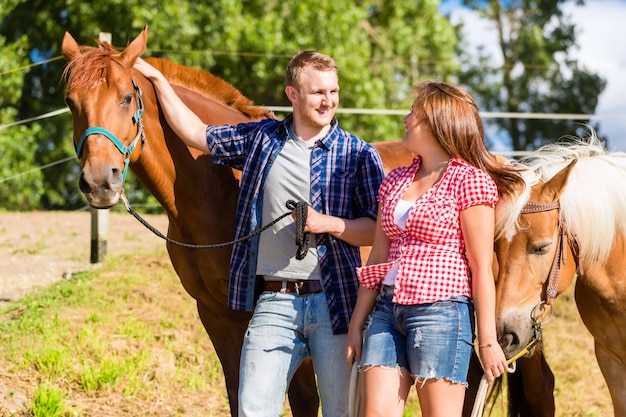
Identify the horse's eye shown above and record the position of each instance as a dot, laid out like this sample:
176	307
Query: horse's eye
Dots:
69	102
127	100
541	248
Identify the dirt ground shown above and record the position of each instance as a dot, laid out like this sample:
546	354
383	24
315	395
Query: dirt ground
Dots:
41	248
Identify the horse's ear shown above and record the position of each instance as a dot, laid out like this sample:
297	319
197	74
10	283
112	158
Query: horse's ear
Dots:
552	190
135	48
69	47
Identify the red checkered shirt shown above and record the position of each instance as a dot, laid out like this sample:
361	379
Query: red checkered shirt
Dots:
430	250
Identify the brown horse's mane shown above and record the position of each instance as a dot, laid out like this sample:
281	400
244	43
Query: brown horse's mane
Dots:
94	65
208	85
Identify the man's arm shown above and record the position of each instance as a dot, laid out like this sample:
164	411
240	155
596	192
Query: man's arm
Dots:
185	123
357	232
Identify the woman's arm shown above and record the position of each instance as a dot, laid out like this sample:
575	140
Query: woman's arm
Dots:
477	225
364	305
380	247
366	298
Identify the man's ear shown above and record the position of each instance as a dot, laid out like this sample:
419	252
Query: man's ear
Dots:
290	92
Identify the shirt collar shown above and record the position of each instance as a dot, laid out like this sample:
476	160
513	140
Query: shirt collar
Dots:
325	142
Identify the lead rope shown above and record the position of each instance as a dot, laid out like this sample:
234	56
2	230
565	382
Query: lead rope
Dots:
302	238
481	395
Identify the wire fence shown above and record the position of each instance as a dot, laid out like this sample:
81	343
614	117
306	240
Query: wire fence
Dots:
388	112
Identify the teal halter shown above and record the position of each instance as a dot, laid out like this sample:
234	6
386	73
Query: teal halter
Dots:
126	151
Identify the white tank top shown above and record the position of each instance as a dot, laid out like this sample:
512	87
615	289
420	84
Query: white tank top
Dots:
401	215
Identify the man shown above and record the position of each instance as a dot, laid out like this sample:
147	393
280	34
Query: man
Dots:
304	305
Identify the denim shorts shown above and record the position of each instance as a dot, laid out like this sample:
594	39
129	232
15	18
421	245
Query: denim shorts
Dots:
430	341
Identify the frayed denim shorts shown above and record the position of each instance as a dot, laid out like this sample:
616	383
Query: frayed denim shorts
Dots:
430	341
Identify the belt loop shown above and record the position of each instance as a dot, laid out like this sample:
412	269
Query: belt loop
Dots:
297	286
283	287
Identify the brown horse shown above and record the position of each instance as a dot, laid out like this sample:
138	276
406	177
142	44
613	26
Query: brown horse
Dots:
568	220
117	123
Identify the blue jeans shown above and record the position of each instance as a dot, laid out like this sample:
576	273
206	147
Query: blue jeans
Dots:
286	329
430	341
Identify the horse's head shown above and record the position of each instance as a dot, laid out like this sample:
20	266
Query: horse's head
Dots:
106	111
533	261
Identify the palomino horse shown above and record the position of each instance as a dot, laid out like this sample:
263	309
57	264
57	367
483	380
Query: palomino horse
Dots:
569	219
117	124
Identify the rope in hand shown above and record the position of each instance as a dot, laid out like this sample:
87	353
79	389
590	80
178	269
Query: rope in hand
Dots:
481	394
302	238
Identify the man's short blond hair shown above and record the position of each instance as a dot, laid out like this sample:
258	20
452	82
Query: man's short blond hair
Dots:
305	59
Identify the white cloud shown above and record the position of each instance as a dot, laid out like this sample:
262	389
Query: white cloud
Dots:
601	32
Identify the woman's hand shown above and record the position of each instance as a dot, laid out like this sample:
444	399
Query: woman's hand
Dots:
493	360
354	345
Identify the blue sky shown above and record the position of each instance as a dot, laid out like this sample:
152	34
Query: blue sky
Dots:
601	26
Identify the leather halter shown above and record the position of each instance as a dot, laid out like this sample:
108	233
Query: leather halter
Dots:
555	269
126	151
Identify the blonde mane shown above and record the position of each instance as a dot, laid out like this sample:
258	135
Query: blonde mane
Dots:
593	203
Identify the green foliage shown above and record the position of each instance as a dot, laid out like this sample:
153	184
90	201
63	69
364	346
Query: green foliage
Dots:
20	186
537	74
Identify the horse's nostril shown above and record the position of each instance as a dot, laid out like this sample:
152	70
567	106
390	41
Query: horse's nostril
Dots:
509	340
116	177
83	184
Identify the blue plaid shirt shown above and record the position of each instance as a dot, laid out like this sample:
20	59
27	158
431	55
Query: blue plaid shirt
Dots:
346	173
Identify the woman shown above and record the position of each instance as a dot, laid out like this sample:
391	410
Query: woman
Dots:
430	265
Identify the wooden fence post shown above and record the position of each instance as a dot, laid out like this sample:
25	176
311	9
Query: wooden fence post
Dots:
99	234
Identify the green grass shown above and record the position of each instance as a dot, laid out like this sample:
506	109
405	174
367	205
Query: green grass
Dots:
124	340
48	402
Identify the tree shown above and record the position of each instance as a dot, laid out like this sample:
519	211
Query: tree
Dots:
382	47
537	75
20	188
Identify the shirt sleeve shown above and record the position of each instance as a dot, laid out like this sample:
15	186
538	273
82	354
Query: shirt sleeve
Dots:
477	188
229	145
371	276
384	188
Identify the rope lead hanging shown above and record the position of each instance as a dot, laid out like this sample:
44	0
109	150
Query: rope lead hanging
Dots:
302	237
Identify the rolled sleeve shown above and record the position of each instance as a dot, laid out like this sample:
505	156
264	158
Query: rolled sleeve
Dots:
371	276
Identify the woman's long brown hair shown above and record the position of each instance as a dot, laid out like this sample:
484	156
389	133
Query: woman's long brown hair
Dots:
453	117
